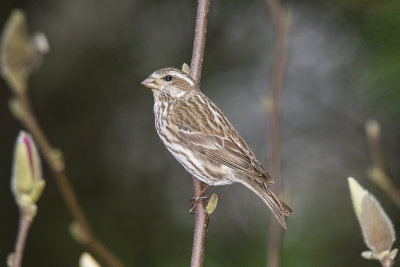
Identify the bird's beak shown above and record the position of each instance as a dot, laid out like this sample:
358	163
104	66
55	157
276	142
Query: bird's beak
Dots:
151	83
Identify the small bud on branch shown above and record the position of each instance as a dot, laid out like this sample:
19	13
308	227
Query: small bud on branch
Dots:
376	226
27	182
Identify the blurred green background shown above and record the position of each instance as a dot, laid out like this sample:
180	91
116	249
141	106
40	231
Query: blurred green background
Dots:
343	68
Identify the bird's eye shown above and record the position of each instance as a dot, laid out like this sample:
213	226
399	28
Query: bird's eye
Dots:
168	78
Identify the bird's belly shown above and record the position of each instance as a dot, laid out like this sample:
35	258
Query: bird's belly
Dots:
202	168
197	164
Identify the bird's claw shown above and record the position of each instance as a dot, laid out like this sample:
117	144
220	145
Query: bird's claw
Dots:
195	201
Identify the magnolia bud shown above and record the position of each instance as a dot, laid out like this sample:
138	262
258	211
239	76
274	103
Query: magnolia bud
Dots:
26	182
20	53
186	68
77	232
87	260
212	204
376	227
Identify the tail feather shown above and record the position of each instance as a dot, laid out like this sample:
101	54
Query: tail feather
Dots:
286	210
278	208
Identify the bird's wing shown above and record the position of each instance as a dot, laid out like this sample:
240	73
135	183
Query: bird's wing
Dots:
200	132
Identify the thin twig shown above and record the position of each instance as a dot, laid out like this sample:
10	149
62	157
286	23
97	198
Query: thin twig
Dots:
199	40
200	227
201	218
278	74
387	262
379	173
29	120
24	225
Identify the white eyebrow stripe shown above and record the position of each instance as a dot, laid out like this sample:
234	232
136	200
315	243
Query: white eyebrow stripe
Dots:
185	77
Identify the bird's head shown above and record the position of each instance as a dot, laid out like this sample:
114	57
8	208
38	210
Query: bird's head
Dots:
170	83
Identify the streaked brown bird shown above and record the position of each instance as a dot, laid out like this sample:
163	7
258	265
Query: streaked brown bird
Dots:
202	139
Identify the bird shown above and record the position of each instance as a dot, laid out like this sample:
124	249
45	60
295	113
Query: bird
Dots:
202	139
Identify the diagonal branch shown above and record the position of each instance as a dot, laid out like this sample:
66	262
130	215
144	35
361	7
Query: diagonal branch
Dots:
201	219
23	111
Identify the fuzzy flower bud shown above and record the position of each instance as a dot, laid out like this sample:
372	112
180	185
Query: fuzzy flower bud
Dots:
186	68
20	53
86	260
376	227
26	181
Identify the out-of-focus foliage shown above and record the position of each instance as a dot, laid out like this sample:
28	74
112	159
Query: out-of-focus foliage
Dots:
378	24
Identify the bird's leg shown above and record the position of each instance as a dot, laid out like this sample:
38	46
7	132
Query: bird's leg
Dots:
200	195
195	200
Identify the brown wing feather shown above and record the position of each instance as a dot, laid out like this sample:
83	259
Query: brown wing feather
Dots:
230	151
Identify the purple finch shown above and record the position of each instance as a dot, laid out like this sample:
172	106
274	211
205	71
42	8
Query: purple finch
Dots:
202	139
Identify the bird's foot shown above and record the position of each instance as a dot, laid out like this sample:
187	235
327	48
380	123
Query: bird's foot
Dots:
195	200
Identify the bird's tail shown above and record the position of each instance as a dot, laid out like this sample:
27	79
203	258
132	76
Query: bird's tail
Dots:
277	207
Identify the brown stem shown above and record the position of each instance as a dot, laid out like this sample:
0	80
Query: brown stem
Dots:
57	167
200	227
379	173
373	134
199	40
24	225
278	74
201	218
